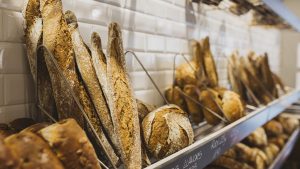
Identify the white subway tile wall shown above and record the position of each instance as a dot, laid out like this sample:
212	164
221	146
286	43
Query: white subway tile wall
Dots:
155	29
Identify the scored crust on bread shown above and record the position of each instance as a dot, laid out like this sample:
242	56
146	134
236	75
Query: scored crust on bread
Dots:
167	130
33	38
70	143
57	39
232	106
32	151
88	74
122	104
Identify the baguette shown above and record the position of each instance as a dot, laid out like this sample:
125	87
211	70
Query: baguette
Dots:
33	38
87	72
123	105
209	64
70	143
32	151
99	62
57	38
194	109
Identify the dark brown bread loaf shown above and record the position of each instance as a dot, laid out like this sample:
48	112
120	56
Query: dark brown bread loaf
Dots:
71	145
32	151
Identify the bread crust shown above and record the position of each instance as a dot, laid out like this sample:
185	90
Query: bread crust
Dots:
88	74
8	159
194	109
122	104
70	143
32	151
57	39
33	38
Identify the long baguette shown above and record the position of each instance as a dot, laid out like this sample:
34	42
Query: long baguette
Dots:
33	37
99	62
123	105
57	38
87	72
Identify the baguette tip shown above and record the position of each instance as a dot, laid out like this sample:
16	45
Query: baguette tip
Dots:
71	18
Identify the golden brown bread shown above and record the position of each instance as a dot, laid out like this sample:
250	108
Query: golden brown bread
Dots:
258	138
271	150
210	98
230	163
189	73
88	74
174	96
123	106
8	159
33	38
209	64
288	124
232	106
70	143
144	109
167	130
32	151
273	128
279	141
99	62
194	109
231	153
57	38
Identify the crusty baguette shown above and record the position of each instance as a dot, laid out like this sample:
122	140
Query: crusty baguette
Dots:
8	159
71	145
99	61
209	64
33	37
194	109
57	38
123	105
87	72
32	151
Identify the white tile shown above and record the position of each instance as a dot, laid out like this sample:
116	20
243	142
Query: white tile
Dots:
12	26
128	22
1	90
148	60
149	96
157	8
176	45
18	89
68	5
164	26
12	112
144	23
134	40
180	2
136	5
13	4
91	12
179	30
155	43
85	32
115	14
13	58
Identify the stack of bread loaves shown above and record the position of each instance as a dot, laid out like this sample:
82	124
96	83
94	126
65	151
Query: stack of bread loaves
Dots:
60	145
197	81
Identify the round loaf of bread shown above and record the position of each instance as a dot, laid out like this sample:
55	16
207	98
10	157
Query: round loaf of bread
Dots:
167	130
273	128
232	106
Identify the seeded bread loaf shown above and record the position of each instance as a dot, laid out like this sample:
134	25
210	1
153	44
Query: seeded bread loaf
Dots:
258	138
273	128
88	74
32	151
70	143
167	130
123	106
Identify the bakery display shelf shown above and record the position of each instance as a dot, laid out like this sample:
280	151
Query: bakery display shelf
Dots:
206	149
284	153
